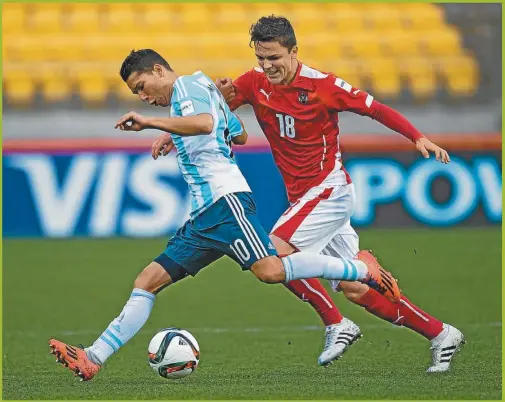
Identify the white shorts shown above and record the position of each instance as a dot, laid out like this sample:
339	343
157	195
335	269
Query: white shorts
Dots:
319	222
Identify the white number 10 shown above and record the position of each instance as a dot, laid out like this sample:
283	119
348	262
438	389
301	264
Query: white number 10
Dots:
286	125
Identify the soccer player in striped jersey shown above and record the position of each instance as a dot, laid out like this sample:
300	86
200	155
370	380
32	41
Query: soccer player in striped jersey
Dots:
223	217
297	108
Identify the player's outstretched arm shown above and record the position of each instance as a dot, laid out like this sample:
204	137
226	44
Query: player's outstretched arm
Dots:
342	97
396	121
186	125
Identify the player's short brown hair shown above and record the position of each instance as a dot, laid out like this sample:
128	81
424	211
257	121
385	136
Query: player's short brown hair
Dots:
141	60
273	29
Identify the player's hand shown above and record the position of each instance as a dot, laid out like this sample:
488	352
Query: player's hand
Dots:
132	121
425	146
162	145
226	88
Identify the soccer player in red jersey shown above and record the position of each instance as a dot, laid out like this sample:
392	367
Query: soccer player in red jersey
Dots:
297	108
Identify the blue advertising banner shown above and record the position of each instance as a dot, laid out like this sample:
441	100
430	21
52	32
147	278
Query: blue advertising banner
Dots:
128	194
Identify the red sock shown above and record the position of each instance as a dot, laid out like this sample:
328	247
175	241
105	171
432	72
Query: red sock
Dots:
312	291
404	313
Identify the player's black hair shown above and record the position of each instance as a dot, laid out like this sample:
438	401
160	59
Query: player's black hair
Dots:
273	29
141	60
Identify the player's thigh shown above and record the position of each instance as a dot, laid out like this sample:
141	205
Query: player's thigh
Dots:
239	233
187	253
311	223
344	244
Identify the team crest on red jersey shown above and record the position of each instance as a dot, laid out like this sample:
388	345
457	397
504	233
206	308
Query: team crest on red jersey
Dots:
303	97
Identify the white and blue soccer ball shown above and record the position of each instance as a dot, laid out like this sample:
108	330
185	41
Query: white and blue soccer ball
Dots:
174	353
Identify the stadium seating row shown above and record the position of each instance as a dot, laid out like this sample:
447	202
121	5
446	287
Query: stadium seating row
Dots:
382	46
227	17
385	77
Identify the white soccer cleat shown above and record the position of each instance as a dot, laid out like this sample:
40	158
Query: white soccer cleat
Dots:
338	338
443	348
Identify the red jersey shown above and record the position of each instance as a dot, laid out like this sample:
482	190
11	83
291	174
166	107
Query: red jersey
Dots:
300	121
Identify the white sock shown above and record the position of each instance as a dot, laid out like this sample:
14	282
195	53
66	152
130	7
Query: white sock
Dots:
133	316
306	265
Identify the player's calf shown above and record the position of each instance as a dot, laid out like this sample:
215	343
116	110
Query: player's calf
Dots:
153	278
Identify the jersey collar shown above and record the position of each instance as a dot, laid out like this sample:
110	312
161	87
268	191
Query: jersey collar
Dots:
301	82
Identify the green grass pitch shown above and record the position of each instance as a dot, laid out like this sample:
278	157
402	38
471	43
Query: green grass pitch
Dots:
257	341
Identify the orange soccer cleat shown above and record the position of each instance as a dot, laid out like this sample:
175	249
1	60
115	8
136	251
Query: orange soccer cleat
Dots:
75	359
378	278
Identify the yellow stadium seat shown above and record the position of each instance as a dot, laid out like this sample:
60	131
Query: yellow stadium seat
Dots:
420	74
443	42
320	48
240	49
258	10
46	18
86	8
10	51
20	88
348	70
32	49
55	86
60	48
122	21
195	18
423	16
383	17
110	48
13	18
156	16
402	43
93	88
230	8
233	24
84	18
234	69
177	48
308	26
461	74
363	44
385	77
335	9
122	7
299	13
348	21
187	67
212	49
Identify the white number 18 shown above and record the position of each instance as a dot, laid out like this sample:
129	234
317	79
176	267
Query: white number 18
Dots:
286	125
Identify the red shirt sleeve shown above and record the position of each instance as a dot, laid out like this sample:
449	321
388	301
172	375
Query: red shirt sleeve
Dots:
343	97
243	90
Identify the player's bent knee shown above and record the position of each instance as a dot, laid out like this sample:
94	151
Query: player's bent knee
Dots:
153	278
269	270
281	246
353	291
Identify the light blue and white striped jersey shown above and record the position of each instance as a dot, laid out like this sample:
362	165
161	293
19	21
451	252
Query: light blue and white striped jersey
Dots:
206	161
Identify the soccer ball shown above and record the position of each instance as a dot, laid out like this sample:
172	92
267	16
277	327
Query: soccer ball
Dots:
173	353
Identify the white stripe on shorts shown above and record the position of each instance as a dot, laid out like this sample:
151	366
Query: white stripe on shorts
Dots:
246	234
251	227
245	230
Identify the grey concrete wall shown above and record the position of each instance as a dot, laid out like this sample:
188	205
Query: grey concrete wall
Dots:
81	123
